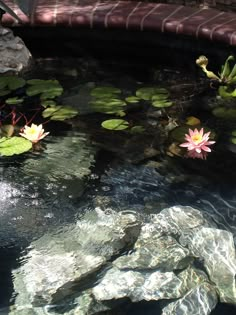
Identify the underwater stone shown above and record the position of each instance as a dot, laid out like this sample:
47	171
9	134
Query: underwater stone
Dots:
59	262
138	286
201	300
14	55
155	251
143	285
179	219
216	249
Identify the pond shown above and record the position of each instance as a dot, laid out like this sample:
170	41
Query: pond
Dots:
71	190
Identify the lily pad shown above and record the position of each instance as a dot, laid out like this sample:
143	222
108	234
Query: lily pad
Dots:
47	88
11	82
233	140
105	91
225	113
224	92
7	130
147	93
14	145
234	133
132	99
115	124
192	121
137	129
48	103
178	134
14	100
161	104
59	112
108	106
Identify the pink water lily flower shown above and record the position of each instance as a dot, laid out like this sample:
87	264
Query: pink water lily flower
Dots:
197	143
34	133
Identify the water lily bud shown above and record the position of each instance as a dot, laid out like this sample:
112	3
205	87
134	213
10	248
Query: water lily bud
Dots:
202	61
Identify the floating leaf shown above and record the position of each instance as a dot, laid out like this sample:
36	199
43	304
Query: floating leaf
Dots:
132	99
178	134
14	145
233	140
47	88
108	106
161	104
147	93
226	113
192	121
4	92
115	124
105	91
137	129
59	112
7	130
48	103
11	82
234	133
14	100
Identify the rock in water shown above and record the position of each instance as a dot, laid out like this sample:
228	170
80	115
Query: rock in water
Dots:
14	55
216	249
58	264
201	300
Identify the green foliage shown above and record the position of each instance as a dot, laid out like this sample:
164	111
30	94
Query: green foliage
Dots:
233	138
59	112
225	113
132	99
158	96
14	101
9	84
115	124
47	89
178	134
14	145
105	92
137	129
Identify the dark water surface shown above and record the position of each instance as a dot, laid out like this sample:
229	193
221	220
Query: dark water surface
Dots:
82	167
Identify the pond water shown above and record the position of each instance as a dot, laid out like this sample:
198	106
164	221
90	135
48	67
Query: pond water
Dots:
82	166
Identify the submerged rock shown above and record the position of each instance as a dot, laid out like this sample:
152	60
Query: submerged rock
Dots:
201	300
76	270
14	55
58	263
216	249
143	285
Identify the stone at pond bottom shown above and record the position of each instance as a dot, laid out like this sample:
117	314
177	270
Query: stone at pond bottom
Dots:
154	251
201	300
58	263
14	56
143	285
216	248
62	269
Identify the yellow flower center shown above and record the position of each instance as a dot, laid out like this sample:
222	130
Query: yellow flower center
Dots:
32	131
197	138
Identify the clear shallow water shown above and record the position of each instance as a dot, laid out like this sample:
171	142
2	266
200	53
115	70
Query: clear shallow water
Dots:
44	190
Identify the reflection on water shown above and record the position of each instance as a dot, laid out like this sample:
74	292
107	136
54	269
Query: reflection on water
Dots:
43	192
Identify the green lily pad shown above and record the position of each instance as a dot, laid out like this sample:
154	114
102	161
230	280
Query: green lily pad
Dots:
233	140
14	100
59	112
105	92
48	103
132	99
115	124
4	92
7	130
137	129
234	133
161	104
147	93
178	134
11	82
225	113
108	106
14	145
47	88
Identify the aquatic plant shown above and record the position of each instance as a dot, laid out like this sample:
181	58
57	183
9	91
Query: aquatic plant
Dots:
226	76
197	143
34	133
